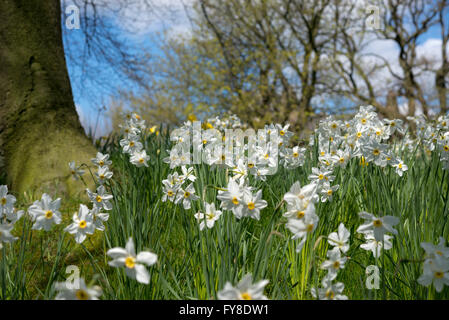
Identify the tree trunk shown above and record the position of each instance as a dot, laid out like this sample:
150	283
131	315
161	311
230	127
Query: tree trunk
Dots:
39	128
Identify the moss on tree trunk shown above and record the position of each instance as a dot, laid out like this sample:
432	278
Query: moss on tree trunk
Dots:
39	128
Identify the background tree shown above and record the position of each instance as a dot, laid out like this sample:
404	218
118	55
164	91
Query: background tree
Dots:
294	60
40	130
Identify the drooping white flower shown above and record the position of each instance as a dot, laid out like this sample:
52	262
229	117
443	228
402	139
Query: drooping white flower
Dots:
244	290
134	264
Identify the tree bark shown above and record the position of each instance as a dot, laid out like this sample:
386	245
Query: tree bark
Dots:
40	131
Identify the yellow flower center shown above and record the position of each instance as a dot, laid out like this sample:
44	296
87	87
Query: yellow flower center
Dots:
130	262
48	214
282	132
377	223
329	192
266	156
101	162
400	166
250	165
170	193
322	153
363	121
99	198
3	201
81	295
251	206
295	154
246	296
439	253
334	126
321	176
309	227
186	194
439	274
83	224
330	294
235	201
359	134
204	141
300	214
131	143
336	264
101	176
446	148
342	159
141	160
376	152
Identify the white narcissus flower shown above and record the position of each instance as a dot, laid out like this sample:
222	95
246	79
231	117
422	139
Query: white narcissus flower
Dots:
103	174
131	144
340	239
186	196
232	197
306	193
5	234
82	224
334	263
134	264
434	251
68	291
101	160
100	199
45	212
252	204
74	171
6	200
139	158
401	167
302	227
437	273
208	219
329	291
376	246
245	290
13	215
99	218
378	225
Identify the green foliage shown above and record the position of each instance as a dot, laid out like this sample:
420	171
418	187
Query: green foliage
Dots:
194	264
